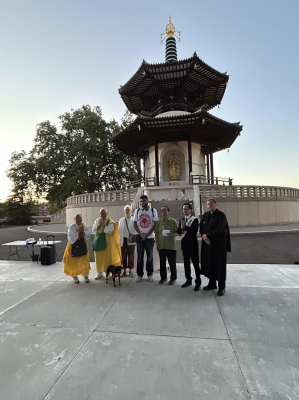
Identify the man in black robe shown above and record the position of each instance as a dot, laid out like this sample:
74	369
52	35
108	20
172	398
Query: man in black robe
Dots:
215	245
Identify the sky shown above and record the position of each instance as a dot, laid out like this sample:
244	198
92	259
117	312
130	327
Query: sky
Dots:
61	54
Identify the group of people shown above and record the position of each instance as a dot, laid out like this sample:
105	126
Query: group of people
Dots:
114	244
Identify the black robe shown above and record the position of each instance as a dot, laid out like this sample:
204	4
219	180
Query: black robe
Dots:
214	255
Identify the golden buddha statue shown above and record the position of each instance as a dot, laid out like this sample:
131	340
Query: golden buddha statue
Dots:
174	167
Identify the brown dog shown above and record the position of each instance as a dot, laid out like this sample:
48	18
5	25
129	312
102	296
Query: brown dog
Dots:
115	271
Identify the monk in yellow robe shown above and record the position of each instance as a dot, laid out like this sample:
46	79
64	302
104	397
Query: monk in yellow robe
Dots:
106	243
74	266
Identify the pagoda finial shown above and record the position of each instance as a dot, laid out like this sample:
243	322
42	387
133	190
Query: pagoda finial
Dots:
170	31
170	34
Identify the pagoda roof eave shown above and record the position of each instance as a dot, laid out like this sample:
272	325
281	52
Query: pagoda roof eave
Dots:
146	65
191	81
201	127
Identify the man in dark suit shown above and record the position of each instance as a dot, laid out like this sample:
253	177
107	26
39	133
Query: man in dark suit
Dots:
188	228
215	245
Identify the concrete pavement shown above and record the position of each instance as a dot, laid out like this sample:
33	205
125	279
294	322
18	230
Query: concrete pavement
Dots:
148	341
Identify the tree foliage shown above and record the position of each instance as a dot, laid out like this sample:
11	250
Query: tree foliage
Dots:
79	158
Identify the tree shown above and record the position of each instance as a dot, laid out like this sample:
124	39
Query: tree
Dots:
79	159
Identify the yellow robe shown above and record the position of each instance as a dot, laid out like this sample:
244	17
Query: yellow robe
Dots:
74	266
112	253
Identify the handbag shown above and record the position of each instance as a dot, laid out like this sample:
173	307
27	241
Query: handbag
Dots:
79	248
133	237
99	241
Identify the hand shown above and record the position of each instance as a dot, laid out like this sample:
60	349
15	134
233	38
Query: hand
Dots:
101	221
144	236
158	248
170	234
183	224
204	237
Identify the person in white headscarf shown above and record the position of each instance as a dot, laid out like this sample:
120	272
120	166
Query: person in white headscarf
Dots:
127	233
74	266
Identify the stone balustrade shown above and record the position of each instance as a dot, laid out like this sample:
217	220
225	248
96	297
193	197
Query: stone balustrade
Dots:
59	217
247	191
103	197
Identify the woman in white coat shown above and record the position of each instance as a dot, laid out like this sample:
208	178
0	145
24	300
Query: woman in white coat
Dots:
127	233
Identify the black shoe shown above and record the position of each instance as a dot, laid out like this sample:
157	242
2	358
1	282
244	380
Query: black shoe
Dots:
211	285
187	283
162	281
221	292
197	288
171	282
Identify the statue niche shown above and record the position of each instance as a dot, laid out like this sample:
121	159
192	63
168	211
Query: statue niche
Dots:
174	167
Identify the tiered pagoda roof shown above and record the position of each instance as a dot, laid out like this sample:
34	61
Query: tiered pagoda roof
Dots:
181	85
171	101
212	133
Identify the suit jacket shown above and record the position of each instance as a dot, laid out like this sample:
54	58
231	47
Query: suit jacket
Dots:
189	240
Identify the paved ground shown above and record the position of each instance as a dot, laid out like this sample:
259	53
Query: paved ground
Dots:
148	341
272	248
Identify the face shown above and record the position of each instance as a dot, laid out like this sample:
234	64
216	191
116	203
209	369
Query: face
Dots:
211	205
103	214
143	202
164	212
186	210
78	220
128	211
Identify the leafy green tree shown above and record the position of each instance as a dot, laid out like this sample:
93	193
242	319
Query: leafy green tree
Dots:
19	209
78	159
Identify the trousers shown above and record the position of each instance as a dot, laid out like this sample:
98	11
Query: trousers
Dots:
171	256
191	254
147	246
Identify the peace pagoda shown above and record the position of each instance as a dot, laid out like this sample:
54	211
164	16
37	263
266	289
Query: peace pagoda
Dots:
173	133
174	137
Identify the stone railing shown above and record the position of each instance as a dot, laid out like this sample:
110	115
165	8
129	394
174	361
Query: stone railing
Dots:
59	217
247	191
103	197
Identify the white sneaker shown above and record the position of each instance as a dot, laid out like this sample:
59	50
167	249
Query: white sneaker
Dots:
138	278
151	278
76	280
100	275
86	279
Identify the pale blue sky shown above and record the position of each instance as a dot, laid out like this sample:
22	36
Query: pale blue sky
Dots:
61	54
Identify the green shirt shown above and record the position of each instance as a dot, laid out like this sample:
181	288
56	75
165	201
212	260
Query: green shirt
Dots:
166	242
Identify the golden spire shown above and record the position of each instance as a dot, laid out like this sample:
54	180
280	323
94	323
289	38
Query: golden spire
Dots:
170	31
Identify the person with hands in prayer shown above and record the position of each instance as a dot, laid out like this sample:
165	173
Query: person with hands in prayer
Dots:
188	228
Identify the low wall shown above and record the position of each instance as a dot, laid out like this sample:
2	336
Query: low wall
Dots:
243	205
261	212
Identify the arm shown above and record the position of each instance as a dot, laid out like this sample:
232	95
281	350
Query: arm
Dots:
137	228
95	226
109	229
157	241
72	234
87	232
151	231
180	230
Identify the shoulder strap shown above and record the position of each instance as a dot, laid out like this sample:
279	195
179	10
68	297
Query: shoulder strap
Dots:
108	222
138	211
127	226
153	212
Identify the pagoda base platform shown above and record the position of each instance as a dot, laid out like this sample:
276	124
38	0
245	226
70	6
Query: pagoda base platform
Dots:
243	205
